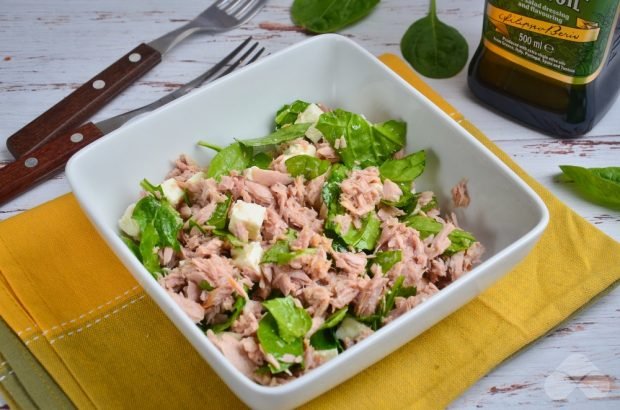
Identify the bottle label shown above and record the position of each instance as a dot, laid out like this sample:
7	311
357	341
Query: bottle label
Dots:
567	40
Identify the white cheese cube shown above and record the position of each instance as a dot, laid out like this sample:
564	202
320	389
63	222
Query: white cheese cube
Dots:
326	355
351	328
300	148
128	224
247	216
311	115
249	256
172	191
197	177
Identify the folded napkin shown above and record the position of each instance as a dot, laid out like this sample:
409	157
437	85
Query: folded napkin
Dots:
104	343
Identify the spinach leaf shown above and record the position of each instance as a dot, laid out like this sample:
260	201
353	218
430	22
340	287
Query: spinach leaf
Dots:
272	343
331	190
387	259
148	242
289	113
433	48
220	214
280	252
279	136
159	226
600	185
237	309
293	322
309	167
392	133
397	290
232	239
326	16
364	238
460	239
405	169
132	245
262	160
324	339
335	318
432	204
205	285
364	145
235	157
152	189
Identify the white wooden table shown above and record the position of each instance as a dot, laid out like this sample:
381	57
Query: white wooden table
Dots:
49	47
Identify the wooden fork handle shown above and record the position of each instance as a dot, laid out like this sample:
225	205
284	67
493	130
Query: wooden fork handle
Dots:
20	175
82	103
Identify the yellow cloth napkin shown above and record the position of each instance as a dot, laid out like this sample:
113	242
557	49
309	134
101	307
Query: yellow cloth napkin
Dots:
108	345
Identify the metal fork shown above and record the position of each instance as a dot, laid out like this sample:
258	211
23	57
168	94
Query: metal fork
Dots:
51	157
78	106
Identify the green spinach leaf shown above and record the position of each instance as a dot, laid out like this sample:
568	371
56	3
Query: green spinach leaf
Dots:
404	170
309	167
235	157
335	318
433	48
392	132
280	252
293	322
397	290
148	242
279	136
363	145
460	240
289	113
220	215
324	339
331	190
262	160
387	259
364	238
237	309
272	343
326	16
600	185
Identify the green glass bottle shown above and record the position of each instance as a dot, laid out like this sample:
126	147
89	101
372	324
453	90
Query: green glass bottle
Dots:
552	64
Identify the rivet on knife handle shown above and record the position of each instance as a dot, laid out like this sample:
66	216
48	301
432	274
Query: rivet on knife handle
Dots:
82	103
42	162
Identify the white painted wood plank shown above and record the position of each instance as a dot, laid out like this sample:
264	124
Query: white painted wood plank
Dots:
47	48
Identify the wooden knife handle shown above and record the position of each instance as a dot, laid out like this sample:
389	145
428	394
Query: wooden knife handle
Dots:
82	103
25	172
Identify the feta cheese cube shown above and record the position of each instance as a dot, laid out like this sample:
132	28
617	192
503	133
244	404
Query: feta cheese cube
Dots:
128	224
246	216
311	115
172	191
248	256
326	355
351	329
197	177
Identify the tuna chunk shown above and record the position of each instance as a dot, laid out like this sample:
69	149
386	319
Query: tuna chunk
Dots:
231	347
460	196
195	312
362	191
352	264
268	177
369	296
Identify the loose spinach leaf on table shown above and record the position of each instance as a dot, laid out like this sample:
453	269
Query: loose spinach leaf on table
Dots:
326	16
433	48
309	167
364	144
405	169
235	157
600	185
289	113
279	136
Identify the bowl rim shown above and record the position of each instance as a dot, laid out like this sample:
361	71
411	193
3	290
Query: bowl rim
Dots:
149	285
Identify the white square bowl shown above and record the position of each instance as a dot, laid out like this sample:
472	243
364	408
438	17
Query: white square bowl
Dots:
505	214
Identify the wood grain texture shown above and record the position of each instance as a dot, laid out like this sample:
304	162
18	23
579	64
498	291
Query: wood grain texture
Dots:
49	47
87	99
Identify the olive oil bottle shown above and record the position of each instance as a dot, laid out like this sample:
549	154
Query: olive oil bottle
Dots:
552	64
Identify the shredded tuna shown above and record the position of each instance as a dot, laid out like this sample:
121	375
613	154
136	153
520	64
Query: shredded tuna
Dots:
369	296
460	196
439	243
352	264
391	191
326	152
362	191
230	345
195	312
268	177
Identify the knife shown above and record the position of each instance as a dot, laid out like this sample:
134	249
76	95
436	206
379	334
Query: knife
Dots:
82	103
49	158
